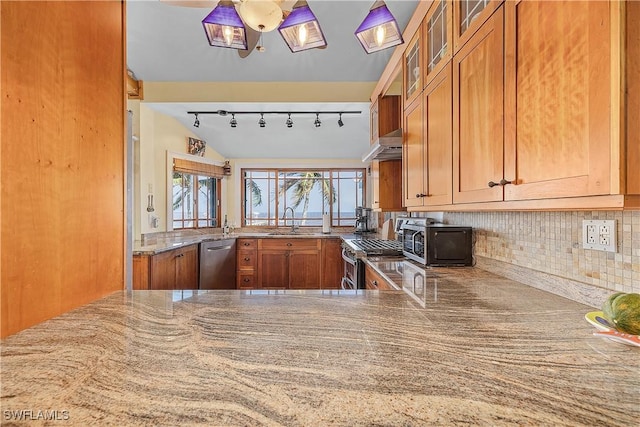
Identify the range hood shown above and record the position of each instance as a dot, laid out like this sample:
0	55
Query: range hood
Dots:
387	147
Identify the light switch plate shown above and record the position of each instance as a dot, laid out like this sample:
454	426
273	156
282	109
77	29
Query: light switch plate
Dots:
599	235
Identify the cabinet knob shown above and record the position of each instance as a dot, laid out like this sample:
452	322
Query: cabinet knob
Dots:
375	283
289	244
179	255
247	244
246	280
505	182
492	184
247	259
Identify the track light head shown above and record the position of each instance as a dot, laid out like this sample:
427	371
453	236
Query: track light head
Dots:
196	123
289	121
262	122
340	122
233	122
317	122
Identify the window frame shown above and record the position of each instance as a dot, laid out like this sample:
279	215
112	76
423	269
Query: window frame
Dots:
277	171
208	164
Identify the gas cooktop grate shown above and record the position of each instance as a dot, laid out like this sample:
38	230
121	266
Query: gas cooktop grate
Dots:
382	247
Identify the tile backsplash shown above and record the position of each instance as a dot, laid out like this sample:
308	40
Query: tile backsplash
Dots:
551	242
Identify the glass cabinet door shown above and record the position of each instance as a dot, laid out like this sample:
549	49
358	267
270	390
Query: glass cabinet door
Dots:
412	72
469	15
437	25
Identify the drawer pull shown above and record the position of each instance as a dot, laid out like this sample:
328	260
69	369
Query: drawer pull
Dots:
179	255
289	244
245	280
247	244
375	283
247	259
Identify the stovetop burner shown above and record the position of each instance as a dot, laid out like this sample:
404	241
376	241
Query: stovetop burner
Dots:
379	247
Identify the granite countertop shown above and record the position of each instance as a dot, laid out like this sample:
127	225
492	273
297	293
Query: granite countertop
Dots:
167	244
466	347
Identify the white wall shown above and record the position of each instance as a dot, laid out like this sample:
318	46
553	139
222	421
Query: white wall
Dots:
158	134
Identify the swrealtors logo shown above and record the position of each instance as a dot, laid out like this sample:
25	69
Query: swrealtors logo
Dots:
35	415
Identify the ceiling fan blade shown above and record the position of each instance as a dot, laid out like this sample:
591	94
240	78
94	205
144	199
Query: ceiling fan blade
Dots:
252	41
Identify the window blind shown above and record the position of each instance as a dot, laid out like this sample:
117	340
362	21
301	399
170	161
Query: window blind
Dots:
197	168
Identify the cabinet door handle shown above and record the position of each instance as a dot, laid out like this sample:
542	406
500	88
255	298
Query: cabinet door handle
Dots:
245	280
505	182
375	283
419	195
289	244
179	255
247	244
492	184
247	259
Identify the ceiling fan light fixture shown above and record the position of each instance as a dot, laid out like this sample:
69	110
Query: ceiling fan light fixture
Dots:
301	29
317	122
379	30
289	121
262	123
261	13
224	28
340	122
233	122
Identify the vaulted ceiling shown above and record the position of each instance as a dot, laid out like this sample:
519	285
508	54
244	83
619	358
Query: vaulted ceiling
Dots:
168	50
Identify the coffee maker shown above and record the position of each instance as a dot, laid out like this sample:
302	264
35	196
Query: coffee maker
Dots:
363	219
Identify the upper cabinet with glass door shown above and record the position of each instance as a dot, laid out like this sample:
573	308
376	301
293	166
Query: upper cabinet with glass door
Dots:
437	35
412	68
468	16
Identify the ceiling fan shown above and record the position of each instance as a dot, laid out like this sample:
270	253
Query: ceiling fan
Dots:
258	16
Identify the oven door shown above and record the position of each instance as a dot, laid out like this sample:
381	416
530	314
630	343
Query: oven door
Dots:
353	271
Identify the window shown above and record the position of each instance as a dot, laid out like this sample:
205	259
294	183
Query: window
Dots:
195	194
268	193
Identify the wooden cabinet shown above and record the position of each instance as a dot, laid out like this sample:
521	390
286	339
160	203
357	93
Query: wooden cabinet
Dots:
478	110
412	64
437	27
246	263
428	161
374	280
289	263
412	155
386	181
558	97
173	269
385	115
469	17
332	267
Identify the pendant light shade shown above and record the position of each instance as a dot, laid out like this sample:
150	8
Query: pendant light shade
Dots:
301	29
379	30
224	28
261	15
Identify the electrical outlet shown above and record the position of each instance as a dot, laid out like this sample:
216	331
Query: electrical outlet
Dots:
599	235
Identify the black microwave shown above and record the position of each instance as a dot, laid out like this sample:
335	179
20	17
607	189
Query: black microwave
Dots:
437	244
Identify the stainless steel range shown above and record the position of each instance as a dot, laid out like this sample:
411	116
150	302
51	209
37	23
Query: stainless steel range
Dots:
379	247
354	266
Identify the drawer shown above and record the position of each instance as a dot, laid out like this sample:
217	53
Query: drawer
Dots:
247	259
375	281
247	244
289	244
246	280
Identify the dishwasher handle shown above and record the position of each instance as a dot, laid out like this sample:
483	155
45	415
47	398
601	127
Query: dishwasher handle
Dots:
217	248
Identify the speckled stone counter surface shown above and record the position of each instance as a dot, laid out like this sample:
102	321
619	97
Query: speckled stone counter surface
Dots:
463	347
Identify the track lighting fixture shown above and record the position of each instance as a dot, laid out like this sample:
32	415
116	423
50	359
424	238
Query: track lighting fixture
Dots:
262	122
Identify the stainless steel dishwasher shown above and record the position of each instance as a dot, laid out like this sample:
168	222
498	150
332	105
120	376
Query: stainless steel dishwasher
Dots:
218	264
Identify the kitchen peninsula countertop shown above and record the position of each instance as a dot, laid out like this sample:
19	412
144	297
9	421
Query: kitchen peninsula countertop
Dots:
471	348
156	246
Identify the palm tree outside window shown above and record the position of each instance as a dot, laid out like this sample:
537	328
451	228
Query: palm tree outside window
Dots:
268	192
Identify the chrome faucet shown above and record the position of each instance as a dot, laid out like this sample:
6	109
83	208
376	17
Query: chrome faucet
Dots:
293	219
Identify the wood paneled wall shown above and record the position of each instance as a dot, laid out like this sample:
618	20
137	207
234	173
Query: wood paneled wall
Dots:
62	158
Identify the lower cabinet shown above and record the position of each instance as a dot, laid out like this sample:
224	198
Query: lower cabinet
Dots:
374	281
174	269
289	263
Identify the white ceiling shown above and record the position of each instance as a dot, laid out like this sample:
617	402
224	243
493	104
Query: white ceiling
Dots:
167	43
